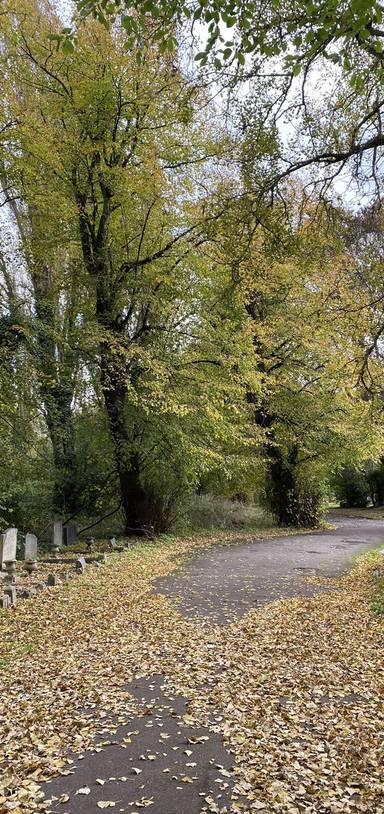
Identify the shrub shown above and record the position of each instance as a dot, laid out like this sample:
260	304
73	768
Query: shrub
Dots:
352	488
375	480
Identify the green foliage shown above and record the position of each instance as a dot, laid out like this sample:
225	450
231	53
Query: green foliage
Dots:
290	495
377	600
297	32
351	487
179	332
375	478
205	512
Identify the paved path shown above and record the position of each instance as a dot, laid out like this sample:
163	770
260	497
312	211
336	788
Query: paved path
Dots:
219	583
226	581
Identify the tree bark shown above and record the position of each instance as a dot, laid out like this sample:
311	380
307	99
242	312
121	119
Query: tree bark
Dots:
134	498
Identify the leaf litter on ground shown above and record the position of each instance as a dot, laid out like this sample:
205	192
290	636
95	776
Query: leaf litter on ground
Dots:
296	687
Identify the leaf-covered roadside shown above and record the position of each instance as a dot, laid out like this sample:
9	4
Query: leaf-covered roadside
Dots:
299	683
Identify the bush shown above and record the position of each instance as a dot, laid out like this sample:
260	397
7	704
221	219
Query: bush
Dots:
300	506
376	485
292	500
215	512
352	488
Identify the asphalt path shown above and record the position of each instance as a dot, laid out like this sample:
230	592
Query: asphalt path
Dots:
225	582
156	761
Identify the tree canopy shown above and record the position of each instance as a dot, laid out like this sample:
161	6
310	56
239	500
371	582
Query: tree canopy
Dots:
195	305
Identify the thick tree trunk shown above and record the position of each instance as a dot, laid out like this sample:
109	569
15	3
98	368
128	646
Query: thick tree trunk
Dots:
282	483
135	500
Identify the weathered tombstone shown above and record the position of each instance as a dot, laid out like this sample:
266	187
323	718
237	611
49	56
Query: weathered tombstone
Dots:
10	579
57	540
69	533
8	543
27	593
11	592
4	601
112	543
52	580
89	541
80	565
30	548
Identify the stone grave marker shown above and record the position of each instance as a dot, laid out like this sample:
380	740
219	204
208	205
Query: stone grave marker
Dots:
11	592
70	533
30	548
57	540
112	543
8	543
27	593
5	601
80	565
52	580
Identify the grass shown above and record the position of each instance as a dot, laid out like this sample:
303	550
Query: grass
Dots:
377	599
369	513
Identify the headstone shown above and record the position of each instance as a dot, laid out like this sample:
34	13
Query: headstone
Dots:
10	579
11	592
112	543
69	533
5	601
27	593
39	586
80	565
8	543
30	549
57	540
52	580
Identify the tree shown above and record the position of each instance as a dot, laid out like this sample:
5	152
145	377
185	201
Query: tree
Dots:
123	146
294	276
298	31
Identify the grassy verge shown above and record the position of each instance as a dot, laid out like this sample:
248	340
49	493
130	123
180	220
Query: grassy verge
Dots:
370	513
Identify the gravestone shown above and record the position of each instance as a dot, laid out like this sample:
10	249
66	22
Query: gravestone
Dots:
57	540
52	580
27	593
30	549
70	533
4	601
112	543
8	543
9	579
11	592
80	565
89	541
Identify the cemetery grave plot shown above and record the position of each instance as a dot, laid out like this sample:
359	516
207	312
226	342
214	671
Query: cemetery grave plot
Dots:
25	577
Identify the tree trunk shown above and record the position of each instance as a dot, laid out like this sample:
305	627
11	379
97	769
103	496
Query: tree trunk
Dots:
135	501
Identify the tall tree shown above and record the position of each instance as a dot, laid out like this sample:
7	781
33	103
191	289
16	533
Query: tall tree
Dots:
123	144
